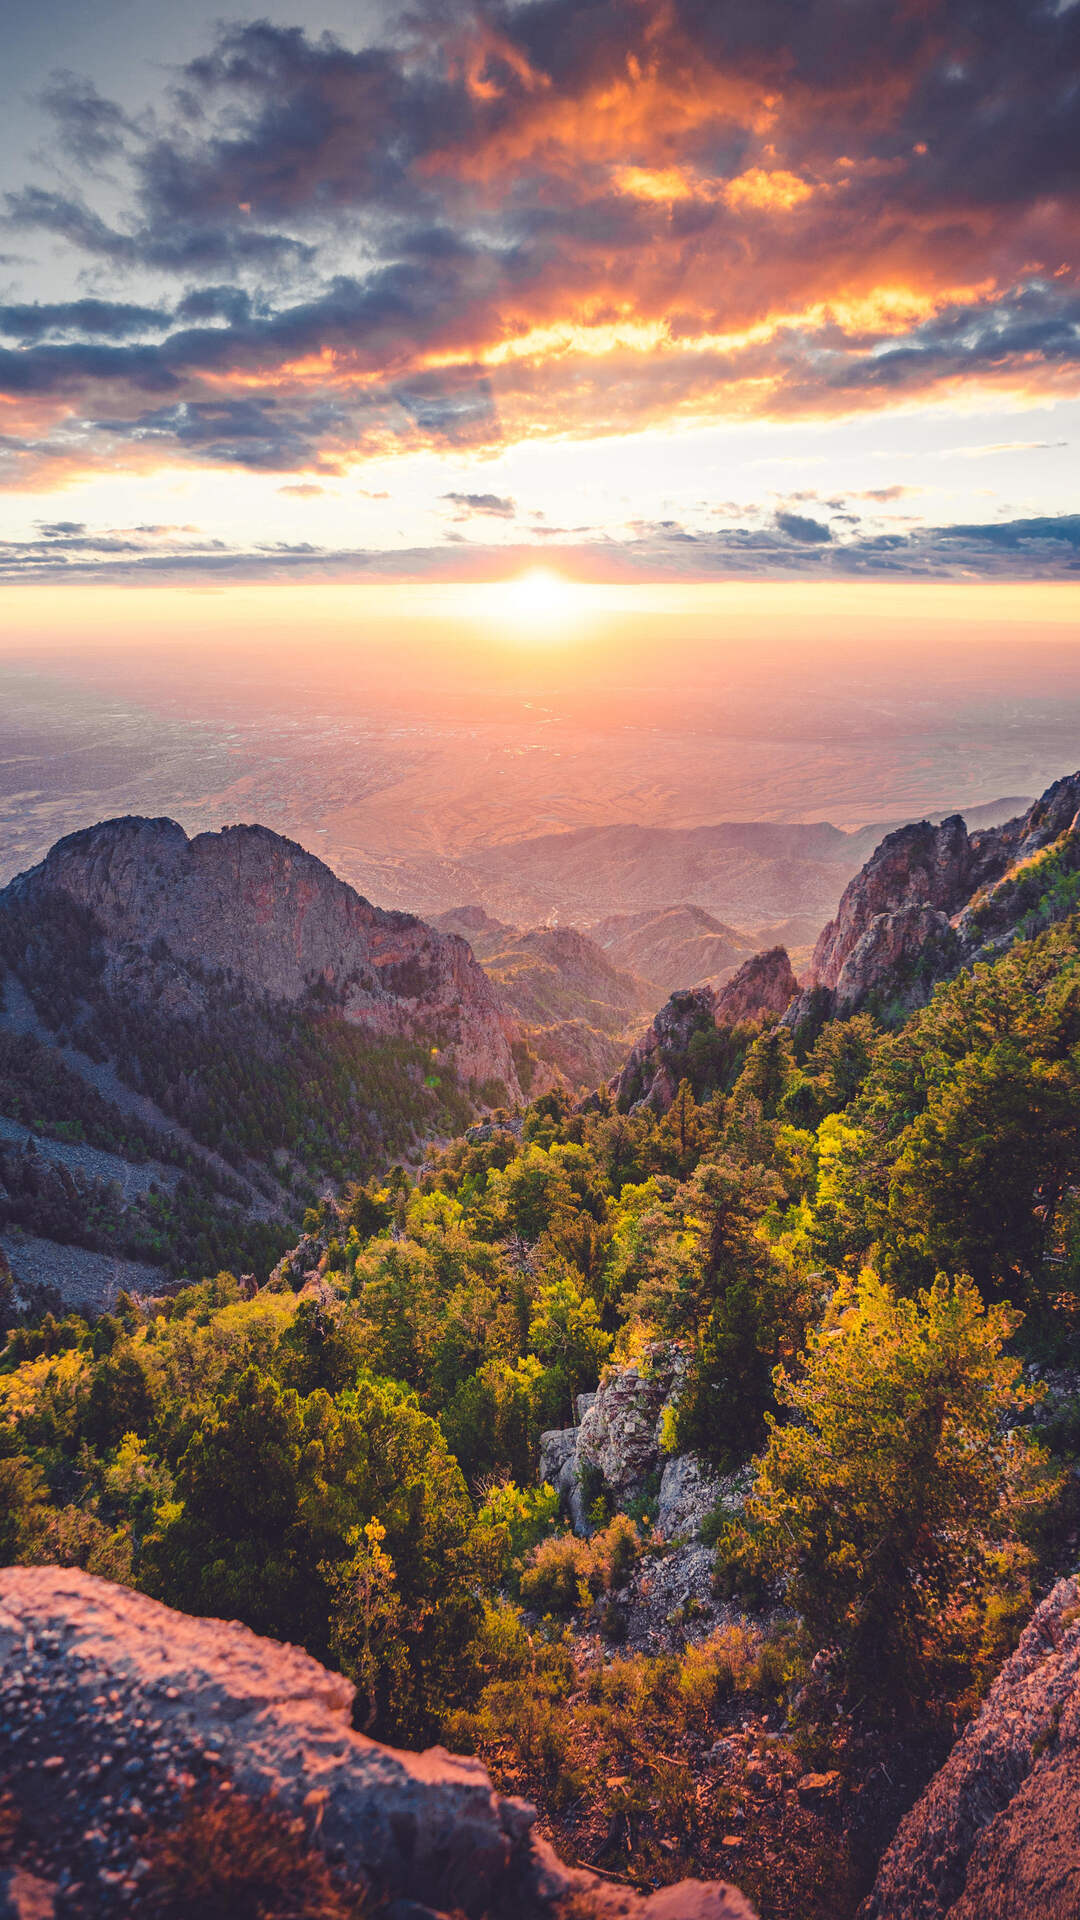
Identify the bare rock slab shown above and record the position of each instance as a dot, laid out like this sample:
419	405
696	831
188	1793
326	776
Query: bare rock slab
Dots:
996	1835
427	1827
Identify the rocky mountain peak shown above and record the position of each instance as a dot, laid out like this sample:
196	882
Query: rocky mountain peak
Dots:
764	984
253	906
905	920
920	866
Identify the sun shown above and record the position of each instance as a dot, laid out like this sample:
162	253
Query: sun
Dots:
539	603
538	607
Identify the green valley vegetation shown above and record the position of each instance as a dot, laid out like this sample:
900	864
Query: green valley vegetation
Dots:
272	1103
866	1248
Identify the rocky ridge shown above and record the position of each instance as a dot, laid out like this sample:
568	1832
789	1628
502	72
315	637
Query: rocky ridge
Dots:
934	898
114	1709
764	984
996	1835
270	917
227	1007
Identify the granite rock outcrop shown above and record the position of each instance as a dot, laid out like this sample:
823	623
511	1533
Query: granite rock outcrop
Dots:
763	985
931	899
617	1446
113	1706
996	1835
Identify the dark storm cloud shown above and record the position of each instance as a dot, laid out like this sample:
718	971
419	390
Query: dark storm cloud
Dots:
398	307
310	125
108	319
252	432
179	247
1045	548
1017	536
233	305
262	432
51	370
1041	325
802	206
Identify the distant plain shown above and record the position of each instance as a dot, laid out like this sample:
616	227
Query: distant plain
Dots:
550	790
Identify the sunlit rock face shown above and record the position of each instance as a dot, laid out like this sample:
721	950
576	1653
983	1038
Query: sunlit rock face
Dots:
932	898
764	984
108	1697
618	1442
250	909
926	868
995	1833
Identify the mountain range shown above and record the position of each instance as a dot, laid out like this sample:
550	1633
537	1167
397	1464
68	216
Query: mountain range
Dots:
749	874
933	898
198	1037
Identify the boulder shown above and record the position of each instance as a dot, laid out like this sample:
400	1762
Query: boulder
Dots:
557	1448
306	1258
113	1704
559	1467
889	950
618	1435
996	1835
620	1431
688	1492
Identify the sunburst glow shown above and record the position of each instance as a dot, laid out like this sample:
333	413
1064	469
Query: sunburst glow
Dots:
539	604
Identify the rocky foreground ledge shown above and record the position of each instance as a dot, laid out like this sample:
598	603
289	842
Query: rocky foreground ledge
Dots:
114	1709
996	1835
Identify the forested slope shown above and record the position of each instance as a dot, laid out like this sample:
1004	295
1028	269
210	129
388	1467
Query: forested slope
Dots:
349	1459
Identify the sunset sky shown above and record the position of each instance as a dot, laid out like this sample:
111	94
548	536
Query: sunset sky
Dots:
640	290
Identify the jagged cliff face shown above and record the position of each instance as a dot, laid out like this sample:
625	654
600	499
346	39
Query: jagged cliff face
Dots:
933	898
917	876
224	1008
276	921
764	984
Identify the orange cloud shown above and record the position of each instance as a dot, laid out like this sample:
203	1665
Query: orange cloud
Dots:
758	191
560	226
